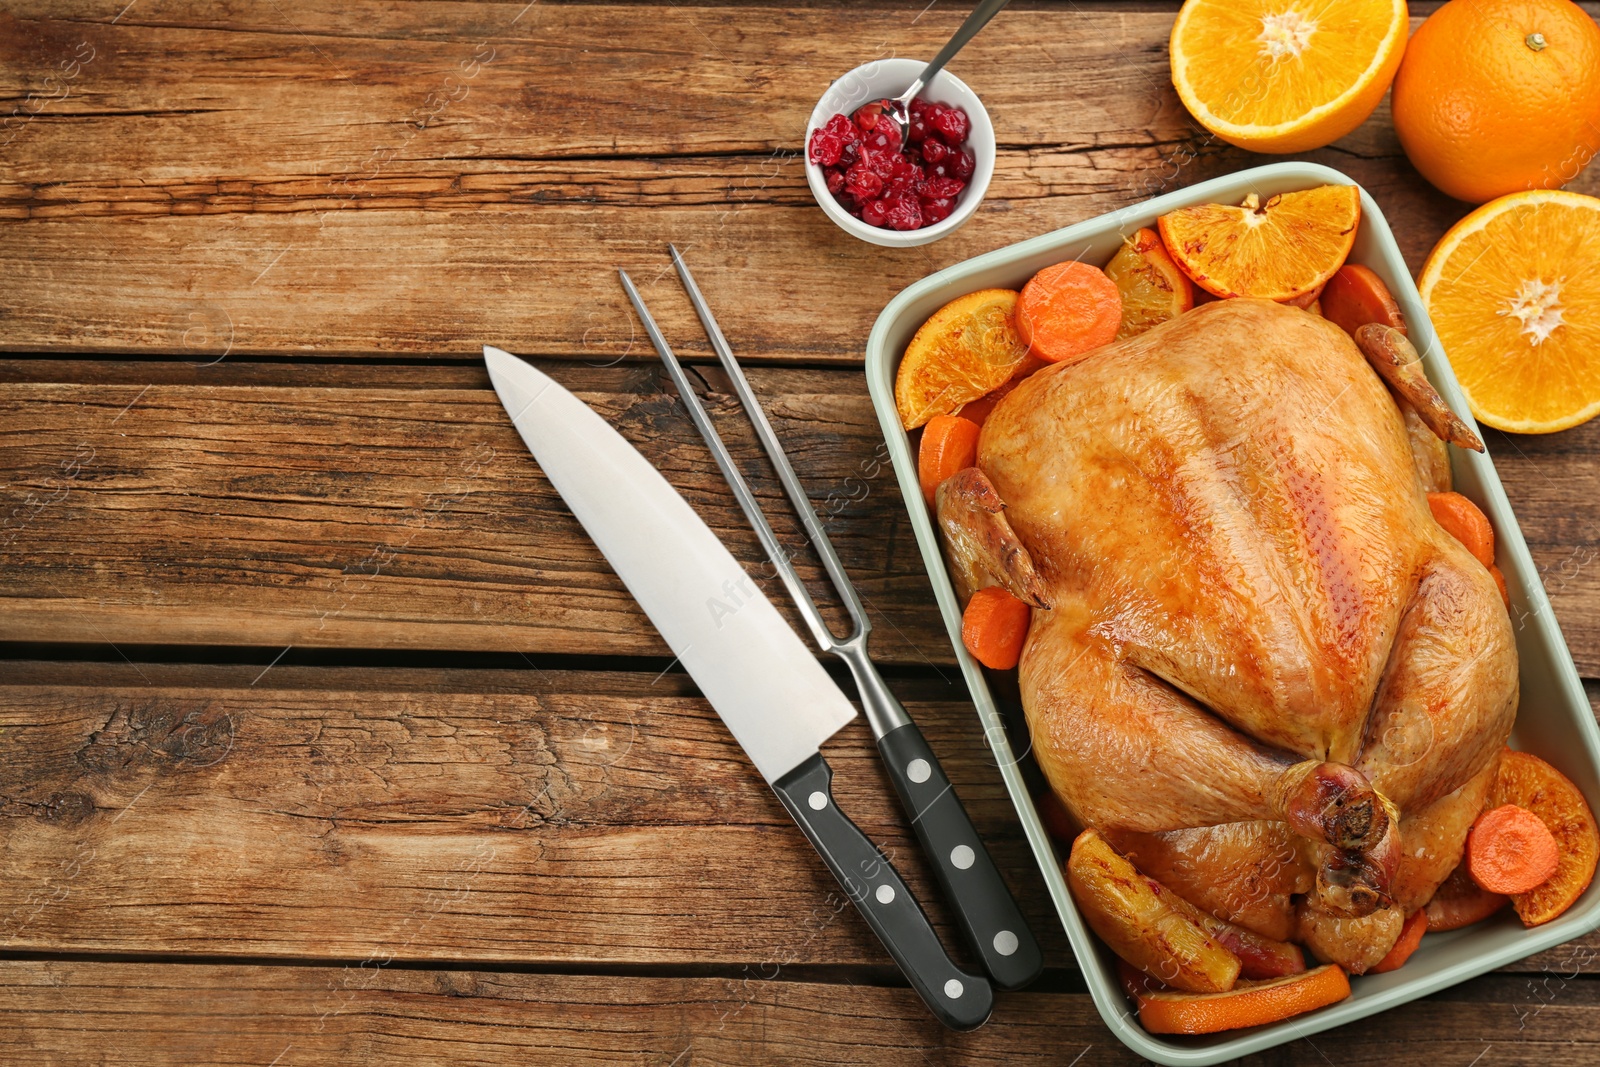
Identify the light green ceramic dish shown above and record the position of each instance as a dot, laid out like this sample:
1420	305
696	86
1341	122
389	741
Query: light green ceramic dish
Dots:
1555	720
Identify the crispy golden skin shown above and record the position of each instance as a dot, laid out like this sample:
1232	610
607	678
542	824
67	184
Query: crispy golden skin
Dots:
1253	614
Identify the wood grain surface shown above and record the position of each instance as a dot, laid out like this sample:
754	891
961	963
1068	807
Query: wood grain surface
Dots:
301	1016
529	816
418	179
325	734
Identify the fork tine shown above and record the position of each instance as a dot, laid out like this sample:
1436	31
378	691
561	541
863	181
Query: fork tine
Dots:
730	473
769	441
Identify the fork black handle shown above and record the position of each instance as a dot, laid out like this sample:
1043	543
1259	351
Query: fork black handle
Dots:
984	907
959	1000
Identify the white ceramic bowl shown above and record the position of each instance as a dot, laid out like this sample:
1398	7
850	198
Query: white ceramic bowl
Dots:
889	78
1554	720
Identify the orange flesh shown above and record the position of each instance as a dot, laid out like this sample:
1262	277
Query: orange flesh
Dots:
1530	782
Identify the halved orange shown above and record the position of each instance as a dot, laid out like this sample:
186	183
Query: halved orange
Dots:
1513	291
1529	782
1285	75
967	348
1153	287
1279	250
1246	1004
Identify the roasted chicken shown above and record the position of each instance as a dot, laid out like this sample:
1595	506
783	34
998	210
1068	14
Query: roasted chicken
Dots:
1256	664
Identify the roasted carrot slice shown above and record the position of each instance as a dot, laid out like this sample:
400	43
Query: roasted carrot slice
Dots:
1529	781
1459	901
1355	296
949	444
1510	850
1410	937
1465	522
1067	310
1246	1004
1500	580
994	627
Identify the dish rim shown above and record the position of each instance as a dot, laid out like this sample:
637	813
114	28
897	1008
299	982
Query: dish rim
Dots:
1522	575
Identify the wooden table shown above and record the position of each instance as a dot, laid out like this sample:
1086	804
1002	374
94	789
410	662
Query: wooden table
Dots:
325	734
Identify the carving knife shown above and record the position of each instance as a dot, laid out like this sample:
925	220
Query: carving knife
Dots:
751	666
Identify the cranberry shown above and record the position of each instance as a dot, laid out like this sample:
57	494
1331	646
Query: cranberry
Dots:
951	124
870	176
962	165
903	214
825	148
880	161
862	183
936	208
867	116
885	138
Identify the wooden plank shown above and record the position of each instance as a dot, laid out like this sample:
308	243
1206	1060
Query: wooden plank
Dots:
398	213
395	507
520	816
397	518
531	817
67	1012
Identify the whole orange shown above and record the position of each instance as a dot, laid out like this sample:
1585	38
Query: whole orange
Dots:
1499	96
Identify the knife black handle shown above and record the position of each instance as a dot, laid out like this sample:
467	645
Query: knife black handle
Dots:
959	1000
972	885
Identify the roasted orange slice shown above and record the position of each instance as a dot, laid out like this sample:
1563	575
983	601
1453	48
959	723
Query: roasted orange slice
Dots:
1153	288
1529	782
967	348
1246	1004
1279	250
1143	922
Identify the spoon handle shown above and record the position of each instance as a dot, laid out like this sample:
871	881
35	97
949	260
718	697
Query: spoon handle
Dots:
976	21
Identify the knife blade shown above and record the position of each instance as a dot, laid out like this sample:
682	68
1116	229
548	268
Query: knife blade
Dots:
754	670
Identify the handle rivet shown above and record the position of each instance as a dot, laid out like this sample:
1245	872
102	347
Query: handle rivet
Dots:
1005	942
817	800
953	989
885	894
962	856
919	771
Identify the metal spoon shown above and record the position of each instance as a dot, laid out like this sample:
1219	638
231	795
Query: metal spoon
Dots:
899	109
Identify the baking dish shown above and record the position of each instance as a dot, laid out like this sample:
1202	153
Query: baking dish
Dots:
1554	721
